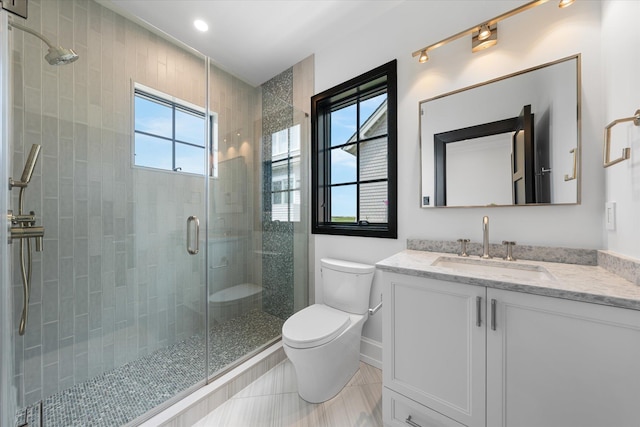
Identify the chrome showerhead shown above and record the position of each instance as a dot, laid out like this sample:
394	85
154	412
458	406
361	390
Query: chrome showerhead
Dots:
56	55
60	56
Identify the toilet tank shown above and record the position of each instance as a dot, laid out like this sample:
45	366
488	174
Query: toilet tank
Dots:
346	285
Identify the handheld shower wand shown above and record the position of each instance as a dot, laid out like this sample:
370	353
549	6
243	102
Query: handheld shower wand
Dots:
24	228
29	167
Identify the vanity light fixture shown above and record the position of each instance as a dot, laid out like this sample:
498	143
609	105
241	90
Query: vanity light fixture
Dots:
480	37
483	40
484	33
565	3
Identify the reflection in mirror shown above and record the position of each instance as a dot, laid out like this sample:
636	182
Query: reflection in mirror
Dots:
479	170
514	150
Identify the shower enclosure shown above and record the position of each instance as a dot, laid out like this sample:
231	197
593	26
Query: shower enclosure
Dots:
172	201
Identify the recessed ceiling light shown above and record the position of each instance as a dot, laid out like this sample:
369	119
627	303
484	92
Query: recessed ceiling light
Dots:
200	25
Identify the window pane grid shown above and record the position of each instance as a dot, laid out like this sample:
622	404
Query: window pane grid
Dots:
165	126
357	197
356	141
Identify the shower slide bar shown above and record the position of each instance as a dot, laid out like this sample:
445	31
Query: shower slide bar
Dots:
24	228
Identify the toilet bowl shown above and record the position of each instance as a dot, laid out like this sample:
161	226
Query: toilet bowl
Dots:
322	341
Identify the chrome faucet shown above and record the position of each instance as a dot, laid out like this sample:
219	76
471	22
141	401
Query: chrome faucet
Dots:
485	238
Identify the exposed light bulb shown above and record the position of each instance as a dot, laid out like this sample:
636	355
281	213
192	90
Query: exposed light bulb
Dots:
478	44
565	3
484	33
200	25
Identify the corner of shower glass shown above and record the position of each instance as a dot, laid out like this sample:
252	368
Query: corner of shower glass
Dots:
8	391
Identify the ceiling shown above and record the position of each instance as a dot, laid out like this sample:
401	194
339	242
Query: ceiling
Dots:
256	39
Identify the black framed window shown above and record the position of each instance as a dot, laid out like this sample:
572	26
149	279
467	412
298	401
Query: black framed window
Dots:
170	134
354	156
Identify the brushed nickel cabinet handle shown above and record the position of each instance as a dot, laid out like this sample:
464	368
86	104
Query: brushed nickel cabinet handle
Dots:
411	422
478	311
493	314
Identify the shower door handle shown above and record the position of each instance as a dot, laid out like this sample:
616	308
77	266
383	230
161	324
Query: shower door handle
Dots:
193	220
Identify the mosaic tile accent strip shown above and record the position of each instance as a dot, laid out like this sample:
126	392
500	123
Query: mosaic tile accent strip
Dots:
281	86
277	269
123	394
277	237
524	252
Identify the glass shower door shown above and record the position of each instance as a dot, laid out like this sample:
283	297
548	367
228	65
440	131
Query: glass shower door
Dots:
258	239
116	320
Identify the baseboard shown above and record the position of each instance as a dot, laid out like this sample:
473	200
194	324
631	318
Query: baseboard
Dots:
371	352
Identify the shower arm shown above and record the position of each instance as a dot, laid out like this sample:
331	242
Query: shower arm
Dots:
33	32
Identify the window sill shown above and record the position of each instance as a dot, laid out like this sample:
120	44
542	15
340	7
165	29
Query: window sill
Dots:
372	230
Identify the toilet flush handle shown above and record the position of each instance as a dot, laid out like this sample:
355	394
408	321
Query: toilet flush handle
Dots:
375	309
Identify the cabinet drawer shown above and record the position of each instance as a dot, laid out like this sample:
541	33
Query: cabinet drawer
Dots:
396	410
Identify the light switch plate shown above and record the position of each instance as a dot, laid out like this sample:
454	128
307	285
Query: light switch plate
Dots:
610	215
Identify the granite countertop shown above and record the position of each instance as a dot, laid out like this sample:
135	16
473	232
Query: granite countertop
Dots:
585	283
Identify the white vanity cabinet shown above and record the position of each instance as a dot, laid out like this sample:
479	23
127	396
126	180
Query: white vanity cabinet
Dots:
513	360
559	363
433	352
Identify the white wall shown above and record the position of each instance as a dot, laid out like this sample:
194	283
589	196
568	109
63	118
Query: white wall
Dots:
478	171
540	35
621	61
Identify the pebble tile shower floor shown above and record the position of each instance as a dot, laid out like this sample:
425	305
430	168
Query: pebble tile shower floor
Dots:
119	396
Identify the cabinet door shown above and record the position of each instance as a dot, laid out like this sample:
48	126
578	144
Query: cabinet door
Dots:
433	349
560	363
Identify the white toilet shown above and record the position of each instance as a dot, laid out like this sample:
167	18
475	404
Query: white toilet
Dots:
323	340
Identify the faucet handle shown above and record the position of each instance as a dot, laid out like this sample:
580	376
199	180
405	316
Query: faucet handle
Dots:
509	246
463	247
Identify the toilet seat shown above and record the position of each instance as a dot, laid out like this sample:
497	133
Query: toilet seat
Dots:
313	326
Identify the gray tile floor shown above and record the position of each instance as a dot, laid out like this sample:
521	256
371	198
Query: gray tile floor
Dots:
273	401
120	396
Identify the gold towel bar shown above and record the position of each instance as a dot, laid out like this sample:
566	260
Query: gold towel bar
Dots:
626	152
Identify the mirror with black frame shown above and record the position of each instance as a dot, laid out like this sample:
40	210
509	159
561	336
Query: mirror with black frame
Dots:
511	141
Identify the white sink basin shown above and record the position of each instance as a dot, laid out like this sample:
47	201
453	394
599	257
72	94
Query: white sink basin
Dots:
494	269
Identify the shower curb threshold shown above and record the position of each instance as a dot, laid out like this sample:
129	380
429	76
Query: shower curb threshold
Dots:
204	400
